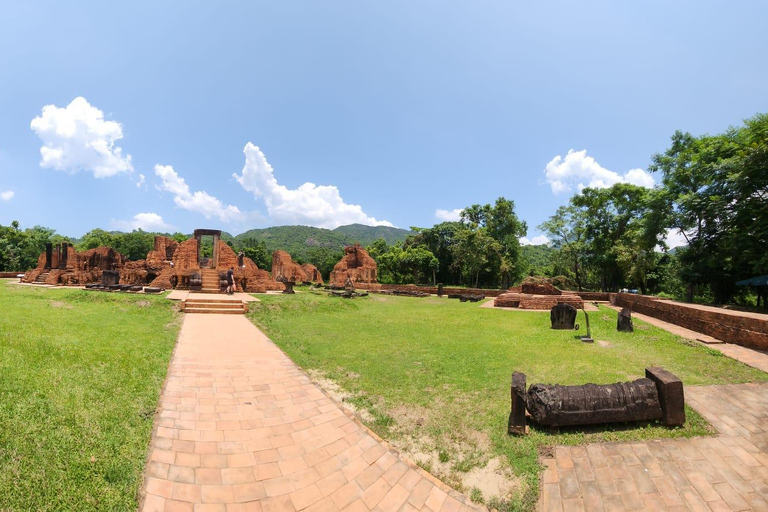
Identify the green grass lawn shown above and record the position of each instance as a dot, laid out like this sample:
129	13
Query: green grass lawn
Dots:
80	377
433	375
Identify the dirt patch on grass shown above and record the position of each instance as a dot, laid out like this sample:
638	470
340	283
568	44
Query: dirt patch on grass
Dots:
604	343
143	303
339	394
458	455
59	304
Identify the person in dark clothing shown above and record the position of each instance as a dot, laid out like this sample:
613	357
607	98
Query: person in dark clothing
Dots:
231	287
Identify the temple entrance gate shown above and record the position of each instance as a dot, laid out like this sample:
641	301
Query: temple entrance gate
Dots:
213	260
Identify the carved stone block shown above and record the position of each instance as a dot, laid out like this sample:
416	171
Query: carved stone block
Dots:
563	316
517	415
671	395
624	321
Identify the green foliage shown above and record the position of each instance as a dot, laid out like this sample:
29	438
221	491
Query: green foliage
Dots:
607	238
537	260
80	377
481	250
404	265
19	249
716	188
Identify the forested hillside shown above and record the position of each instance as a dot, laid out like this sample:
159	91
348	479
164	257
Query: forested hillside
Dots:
303	241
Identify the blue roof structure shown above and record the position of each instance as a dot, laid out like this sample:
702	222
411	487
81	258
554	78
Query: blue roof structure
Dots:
754	281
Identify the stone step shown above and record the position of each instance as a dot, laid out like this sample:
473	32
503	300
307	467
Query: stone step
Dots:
213	304
208	310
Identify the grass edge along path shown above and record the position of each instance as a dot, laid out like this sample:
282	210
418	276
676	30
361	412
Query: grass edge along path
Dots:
80	379
432	375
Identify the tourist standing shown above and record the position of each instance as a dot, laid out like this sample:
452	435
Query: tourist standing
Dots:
231	287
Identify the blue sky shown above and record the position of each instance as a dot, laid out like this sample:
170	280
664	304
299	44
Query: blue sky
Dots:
248	114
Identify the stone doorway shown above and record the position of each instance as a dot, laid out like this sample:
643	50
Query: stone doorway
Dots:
207	258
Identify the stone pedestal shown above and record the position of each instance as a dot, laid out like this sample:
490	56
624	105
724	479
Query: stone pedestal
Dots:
110	277
563	316
624	322
289	287
671	395
517	415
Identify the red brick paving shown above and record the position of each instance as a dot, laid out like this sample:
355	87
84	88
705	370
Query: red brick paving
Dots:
241	427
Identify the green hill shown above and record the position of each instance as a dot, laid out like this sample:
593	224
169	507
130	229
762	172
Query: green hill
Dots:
366	235
303	242
538	258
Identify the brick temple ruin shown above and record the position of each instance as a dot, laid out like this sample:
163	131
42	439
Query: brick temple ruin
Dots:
537	293
356	265
285	269
169	265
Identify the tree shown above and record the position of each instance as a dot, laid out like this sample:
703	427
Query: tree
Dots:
717	191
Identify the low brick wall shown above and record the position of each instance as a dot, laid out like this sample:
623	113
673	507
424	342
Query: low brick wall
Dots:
741	330
9	274
543	302
429	289
593	296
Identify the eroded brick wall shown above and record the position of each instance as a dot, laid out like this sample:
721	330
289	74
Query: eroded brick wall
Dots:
741	330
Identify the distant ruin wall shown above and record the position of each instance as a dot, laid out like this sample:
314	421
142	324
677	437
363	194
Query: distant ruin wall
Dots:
592	296
742	330
430	289
5	275
543	302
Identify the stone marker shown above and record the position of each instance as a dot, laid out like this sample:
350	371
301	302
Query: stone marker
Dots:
289	287
671	395
439	289
110	277
624	321
563	316
517	416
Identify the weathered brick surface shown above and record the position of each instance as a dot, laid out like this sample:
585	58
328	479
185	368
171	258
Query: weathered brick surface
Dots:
249	277
429	289
742	330
284	267
591	296
313	275
544	302
356	264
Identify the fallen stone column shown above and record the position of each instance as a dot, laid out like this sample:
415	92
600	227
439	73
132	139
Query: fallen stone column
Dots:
658	396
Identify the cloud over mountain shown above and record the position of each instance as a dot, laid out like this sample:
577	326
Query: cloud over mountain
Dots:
144	221
310	204
77	137
200	201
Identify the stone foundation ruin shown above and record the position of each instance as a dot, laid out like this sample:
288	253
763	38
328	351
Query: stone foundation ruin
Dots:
356	265
169	264
537	293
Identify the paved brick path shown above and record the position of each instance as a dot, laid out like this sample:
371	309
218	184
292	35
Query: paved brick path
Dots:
242	428
726	472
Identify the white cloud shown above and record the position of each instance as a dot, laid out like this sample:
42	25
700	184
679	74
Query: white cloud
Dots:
537	240
448	215
310	204
675	238
200	202
145	221
6	195
578	170
140	181
78	138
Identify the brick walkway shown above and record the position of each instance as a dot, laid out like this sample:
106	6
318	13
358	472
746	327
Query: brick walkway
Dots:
726	472
242	428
